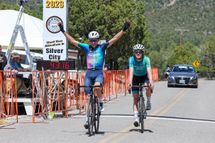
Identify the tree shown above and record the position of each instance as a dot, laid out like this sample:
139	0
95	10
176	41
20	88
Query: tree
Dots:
107	17
159	58
183	54
208	57
34	8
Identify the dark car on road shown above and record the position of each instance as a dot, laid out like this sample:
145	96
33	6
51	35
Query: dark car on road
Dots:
182	75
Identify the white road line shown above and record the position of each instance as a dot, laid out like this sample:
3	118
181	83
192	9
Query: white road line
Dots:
184	120
105	116
157	118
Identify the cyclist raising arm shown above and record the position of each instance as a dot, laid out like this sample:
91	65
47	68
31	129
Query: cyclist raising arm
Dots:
95	54
93	36
140	72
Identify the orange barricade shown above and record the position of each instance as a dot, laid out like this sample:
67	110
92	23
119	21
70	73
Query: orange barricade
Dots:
8	96
155	74
56	91
82	97
115	83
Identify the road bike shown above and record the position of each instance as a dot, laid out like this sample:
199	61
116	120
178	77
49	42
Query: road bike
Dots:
142	112
93	111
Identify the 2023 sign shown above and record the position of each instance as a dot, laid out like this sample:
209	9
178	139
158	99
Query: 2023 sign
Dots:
55	4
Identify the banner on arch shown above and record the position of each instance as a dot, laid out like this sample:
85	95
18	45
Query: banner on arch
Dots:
54	42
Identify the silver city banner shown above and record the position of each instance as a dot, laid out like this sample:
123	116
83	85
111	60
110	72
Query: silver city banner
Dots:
54	42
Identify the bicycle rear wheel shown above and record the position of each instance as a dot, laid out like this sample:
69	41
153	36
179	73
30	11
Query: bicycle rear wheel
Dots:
90	116
97	116
141	114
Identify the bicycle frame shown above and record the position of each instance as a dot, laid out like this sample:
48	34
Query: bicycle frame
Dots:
141	105
93	111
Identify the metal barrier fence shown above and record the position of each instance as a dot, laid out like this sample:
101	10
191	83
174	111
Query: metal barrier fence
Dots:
8	96
54	91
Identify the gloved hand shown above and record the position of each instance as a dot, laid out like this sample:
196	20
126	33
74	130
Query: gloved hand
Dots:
61	27
126	26
151	86
22	2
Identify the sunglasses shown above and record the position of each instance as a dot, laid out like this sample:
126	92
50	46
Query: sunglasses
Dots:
93	40
138	52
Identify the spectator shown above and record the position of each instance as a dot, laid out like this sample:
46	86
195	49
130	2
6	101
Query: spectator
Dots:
15	64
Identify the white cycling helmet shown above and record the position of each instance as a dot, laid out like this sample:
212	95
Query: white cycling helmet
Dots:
138	47
93	35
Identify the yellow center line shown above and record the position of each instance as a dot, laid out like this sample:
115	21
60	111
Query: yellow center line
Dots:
161	112
169	107
158	111
164	109
172	103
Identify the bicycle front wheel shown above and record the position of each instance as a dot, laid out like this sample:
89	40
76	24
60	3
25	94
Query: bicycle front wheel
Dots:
141	114
97	116
90	116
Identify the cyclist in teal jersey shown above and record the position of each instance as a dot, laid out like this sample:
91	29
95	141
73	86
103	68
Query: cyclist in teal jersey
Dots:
95	54
140	72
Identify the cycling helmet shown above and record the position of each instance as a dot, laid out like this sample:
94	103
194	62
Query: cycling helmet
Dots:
138	47
93	34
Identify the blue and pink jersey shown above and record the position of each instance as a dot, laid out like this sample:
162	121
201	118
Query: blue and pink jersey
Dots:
95	56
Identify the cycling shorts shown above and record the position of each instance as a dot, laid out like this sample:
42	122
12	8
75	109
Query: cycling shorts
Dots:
91	77
137	80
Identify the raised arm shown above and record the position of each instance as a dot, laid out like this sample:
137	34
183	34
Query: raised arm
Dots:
119	34
116	38
70	38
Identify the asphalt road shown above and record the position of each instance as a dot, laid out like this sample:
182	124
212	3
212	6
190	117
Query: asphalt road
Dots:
178	115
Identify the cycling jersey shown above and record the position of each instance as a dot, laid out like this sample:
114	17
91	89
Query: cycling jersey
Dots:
95	56
140	67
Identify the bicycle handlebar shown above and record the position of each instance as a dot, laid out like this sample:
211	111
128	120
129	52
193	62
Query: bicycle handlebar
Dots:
91	86
137	86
